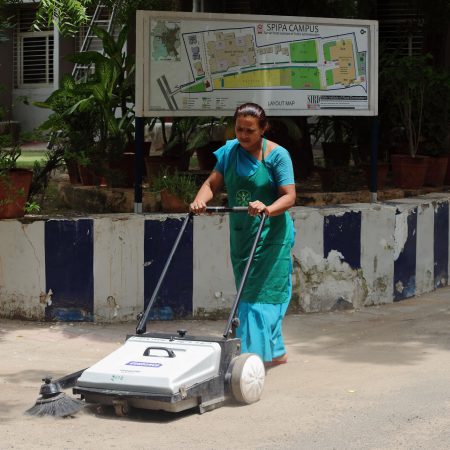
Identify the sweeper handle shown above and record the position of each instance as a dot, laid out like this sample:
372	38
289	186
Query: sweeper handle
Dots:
143	317
231	319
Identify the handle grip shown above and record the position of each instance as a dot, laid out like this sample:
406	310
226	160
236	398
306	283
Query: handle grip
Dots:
170	352
232	209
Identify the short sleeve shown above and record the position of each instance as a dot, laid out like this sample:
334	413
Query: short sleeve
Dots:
220	155
280	164
223	155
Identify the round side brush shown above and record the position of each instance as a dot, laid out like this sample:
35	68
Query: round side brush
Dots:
54	402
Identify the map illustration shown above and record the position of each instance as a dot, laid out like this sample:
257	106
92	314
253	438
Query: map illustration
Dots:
294	67
166	42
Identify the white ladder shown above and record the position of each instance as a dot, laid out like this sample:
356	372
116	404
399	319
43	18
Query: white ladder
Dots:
103	17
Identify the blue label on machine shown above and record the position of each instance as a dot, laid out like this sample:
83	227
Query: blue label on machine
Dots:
143	364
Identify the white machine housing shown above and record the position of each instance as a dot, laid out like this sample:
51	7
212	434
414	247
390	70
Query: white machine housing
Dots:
154	366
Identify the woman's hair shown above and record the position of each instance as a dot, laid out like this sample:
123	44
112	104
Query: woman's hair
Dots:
254	110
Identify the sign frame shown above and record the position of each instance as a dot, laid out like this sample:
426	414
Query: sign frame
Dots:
145	19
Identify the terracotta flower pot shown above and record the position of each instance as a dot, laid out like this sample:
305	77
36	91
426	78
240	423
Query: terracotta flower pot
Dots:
72	171
382	171
14	189
436	171
409	172
87	176
172	203
447	174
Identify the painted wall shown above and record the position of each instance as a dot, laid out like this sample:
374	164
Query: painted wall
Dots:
105	268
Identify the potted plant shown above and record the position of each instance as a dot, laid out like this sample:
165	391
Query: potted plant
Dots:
72	132
435	132
177	146
336	136
208	137
95	115
409	83
14	184
177	190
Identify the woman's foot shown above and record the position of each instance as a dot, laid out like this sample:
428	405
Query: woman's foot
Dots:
277	361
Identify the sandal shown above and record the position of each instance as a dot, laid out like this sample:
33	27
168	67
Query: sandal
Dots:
277	361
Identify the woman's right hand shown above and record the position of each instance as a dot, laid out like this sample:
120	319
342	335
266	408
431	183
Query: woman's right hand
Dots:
197	207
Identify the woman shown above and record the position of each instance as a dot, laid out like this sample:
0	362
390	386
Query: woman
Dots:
257	173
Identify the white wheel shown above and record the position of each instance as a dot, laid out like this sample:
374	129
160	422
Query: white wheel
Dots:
247	378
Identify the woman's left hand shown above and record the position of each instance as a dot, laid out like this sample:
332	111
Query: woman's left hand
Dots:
256	208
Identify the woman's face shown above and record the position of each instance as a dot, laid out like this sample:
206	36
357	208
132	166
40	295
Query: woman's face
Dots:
248	132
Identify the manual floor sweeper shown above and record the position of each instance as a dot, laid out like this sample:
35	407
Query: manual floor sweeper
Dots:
163	371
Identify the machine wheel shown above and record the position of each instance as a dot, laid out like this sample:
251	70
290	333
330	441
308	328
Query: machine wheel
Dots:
247	378
121	408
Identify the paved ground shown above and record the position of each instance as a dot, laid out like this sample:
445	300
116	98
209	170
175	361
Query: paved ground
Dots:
371	379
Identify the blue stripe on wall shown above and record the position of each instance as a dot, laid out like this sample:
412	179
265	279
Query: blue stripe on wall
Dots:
69	257
175	297
405	265
441	245
343	233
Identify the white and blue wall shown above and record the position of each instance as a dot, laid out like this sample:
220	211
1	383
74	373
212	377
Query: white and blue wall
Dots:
104	268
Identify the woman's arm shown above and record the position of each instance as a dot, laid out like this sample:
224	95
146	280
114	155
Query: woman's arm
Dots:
213	184
285	200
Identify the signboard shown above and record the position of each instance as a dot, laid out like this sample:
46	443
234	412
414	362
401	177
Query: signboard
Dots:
208	64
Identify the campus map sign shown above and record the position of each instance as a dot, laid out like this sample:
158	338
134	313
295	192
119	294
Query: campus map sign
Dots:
208	64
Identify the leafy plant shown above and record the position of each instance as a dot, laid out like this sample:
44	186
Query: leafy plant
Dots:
108	91
69	15
10	193
181	185
5	21
93	118
204	131
338	129
181	132
73	134
32	207
8	158
413	86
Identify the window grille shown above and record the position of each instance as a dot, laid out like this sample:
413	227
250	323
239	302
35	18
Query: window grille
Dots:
400	27
33	53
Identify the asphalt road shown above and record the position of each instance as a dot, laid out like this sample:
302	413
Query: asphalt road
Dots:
371	379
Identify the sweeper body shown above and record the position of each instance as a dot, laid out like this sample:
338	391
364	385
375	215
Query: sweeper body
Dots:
173	373
169	372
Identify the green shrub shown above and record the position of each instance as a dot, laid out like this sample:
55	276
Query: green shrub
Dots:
179	184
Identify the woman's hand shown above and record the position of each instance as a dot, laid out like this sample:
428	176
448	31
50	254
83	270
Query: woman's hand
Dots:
197	207
213	183
256	208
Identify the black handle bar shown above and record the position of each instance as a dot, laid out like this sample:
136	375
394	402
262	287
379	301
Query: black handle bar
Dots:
221	209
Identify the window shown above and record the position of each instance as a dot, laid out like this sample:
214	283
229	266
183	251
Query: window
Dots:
34	53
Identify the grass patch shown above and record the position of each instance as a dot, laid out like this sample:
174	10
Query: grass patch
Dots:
28	157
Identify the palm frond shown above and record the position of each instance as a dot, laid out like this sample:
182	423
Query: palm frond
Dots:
66	15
